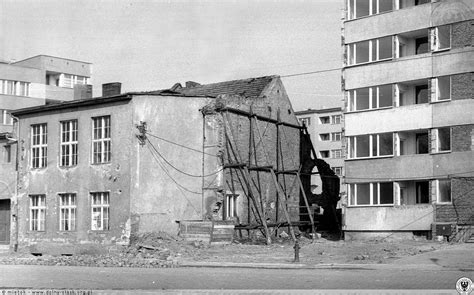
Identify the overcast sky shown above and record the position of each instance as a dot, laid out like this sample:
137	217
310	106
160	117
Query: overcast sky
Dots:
149	45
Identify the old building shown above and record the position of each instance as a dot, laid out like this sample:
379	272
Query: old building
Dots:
409	120
32	82
97	171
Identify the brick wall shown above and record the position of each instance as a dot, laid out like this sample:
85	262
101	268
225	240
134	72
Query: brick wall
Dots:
461	139
462	86
462	34
461	210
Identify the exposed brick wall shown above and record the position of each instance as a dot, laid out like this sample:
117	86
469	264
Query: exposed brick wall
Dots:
461	139
462	208
462	34
462	86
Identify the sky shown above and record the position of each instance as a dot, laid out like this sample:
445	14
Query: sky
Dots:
150	45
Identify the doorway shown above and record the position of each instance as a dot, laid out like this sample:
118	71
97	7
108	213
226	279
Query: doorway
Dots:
4	222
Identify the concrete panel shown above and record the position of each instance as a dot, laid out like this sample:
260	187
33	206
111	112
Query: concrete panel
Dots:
403	167
16	73
12	102
57	64
387	72
421	66
59	93
398	218
409	19
454	163
390	23
411	117
452	113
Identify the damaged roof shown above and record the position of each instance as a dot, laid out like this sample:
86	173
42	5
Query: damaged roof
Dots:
252	87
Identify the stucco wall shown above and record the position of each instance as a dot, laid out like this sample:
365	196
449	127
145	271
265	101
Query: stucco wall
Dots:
82	179
161	194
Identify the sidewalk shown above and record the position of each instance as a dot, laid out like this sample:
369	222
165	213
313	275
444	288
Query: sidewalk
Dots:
457	257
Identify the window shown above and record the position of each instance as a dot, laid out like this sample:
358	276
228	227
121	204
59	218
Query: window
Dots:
421	143
441	38
360	8
231	206
336	136
67	212
422	192
101	140
68	81
17	88
324	120
421	45
370	98
37	212
337	170
68	153
336	119
100	211
336	154
39	145
305	121
442	139
7	153
375	145
324	136
324	154
421	93
369	194
442	86
370	50
444	191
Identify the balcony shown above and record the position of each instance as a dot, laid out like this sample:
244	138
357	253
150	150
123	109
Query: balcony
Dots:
389	218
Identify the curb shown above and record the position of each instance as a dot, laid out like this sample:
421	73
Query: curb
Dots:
313	266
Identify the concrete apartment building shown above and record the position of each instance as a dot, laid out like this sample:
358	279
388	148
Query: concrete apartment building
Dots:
325	129
93	172
32	82
409	123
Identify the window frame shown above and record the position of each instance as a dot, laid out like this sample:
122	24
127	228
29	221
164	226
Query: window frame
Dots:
103	141
325	137
231	206
352	146
39	148
352	10
438	191
336	154
71	208
373	47
70	158
337	170
435	85
336	136
435	39
326	152
373	186
374	98
103	207
325	120
37	224
336	119
435	139
306	121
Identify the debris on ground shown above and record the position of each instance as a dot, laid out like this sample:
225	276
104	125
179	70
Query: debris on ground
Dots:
158	250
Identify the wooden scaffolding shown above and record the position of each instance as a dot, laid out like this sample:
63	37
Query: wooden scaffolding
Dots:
246	171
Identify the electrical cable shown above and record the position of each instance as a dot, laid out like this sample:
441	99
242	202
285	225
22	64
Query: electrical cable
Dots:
177	169
181	145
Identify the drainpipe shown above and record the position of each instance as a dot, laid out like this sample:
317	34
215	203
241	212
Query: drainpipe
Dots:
14	199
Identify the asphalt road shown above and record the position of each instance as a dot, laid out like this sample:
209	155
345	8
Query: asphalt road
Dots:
378	277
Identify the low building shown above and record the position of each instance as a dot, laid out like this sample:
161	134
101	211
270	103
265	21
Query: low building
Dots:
98	171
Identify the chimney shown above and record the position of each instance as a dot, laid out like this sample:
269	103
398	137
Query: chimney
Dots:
111	89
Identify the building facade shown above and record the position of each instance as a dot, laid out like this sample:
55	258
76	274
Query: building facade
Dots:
409	124
94	172
32	82
325	127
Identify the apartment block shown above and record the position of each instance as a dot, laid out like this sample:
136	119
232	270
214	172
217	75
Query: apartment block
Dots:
409	124
325	129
